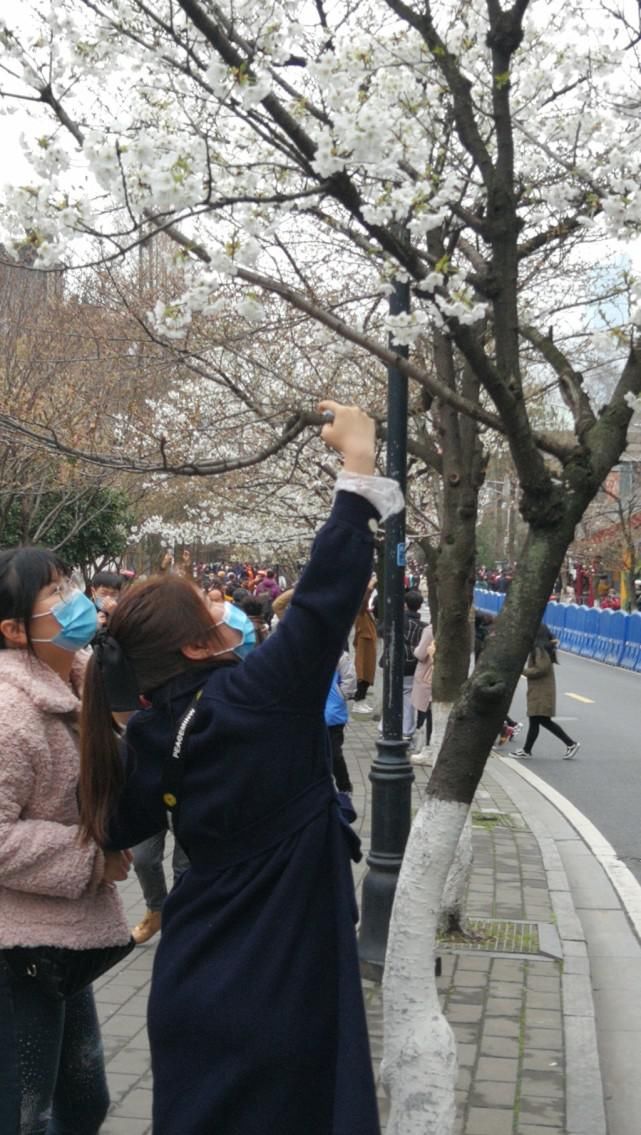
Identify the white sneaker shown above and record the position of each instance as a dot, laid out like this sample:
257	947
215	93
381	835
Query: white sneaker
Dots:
422	757
571	750
362	707
521	755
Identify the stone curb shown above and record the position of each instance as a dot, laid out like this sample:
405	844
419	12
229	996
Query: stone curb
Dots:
585	1106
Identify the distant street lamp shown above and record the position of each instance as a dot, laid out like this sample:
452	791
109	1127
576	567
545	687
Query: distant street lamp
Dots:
391	773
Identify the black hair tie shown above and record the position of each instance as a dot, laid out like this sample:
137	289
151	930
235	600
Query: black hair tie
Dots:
117	672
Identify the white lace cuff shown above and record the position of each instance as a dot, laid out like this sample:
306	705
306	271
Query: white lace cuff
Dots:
382	492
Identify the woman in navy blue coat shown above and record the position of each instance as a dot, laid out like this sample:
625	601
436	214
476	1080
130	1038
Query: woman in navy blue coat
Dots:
256	1018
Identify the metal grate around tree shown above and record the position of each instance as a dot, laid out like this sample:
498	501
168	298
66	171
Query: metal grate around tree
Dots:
496	936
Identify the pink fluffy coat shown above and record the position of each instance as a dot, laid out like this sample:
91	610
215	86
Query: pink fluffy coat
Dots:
422	684
49	890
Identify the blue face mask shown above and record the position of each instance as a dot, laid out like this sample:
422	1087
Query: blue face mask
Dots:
239	621
78	621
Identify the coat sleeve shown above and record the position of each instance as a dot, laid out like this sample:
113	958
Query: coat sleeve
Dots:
38	856
294	667
140	813
423	646
347	675
541	666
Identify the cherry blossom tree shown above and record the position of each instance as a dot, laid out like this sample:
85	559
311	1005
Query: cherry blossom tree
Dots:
488	155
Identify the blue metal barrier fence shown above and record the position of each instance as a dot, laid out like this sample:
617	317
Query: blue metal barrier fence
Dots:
607	636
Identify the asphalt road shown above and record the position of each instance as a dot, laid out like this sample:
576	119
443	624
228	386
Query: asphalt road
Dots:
600	706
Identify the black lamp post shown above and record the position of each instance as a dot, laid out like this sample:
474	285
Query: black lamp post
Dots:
391	773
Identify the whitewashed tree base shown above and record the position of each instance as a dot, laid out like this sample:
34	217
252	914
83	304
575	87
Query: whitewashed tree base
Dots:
419	1065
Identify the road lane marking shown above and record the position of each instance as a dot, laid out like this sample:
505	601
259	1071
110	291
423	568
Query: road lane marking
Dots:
578	697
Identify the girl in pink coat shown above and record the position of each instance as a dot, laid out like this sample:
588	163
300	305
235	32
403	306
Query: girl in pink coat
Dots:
54	889
421	696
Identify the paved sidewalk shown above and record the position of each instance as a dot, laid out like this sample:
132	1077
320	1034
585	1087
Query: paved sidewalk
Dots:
521	1006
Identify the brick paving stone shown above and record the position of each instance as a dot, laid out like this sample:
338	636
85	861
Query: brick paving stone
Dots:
507	970
123	1025
467	996
490	1093
496	1068
536	1000
543	984
543	969
125	1125
500	1026
136	1104
473	961
471	977
503	1006
489	1121
543	1018
546	1084
528	1129
467	1054
536	1110
548	1039
464	1079
466	1033
541	1059
499	1046
509	989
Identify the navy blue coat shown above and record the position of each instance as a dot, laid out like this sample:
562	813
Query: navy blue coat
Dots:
256	1017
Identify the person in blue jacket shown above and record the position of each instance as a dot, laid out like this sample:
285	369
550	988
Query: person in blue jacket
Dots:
336	717
256	1018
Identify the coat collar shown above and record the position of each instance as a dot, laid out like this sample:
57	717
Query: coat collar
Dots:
44	688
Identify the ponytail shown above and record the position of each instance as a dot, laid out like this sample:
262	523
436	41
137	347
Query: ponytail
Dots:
101	771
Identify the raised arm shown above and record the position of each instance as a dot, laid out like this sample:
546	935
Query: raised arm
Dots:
295	665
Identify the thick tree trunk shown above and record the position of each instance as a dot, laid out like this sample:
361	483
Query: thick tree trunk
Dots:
415	1031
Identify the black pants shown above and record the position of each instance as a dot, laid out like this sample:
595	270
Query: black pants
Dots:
339	768
424	716
533	731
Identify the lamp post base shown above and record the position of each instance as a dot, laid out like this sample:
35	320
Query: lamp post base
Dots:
392	778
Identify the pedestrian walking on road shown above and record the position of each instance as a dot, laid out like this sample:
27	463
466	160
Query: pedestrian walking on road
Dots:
256	1017
541	695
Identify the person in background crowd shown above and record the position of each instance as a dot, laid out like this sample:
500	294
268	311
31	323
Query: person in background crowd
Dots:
254	610
342	688
105	592
412	632
266	591
364	651
422	694
256	1018
541	695
185	566
166	563
281	602
55	890
148	858
611	602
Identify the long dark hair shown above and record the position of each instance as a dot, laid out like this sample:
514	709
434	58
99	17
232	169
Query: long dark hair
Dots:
24	572
545	640
151	624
